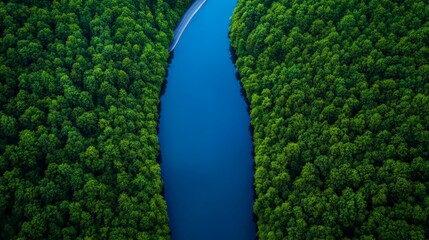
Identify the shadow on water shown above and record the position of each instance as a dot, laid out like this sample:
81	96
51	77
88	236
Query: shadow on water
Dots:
243	93
162	92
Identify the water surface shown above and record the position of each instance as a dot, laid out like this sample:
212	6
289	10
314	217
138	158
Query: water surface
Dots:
205	142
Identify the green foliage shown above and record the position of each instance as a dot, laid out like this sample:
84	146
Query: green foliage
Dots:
338	92
79	90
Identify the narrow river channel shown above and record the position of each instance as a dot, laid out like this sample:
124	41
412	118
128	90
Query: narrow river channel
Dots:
206	147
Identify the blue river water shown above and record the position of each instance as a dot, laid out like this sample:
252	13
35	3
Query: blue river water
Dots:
206	148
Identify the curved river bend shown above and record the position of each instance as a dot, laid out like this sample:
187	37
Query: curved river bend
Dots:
207	166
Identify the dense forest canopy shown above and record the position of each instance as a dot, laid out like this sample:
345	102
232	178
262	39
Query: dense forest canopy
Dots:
79	92
339	97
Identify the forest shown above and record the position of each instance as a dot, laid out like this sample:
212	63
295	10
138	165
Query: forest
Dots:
339	102
80	82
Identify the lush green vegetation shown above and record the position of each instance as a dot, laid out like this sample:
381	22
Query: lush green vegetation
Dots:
339	97
79	92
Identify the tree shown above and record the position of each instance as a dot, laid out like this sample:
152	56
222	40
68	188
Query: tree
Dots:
337	102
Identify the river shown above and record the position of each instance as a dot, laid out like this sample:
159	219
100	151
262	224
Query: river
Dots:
206	148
